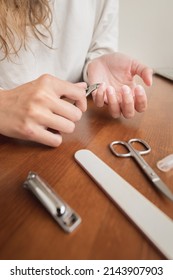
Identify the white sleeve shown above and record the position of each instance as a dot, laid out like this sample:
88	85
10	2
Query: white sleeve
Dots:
106	33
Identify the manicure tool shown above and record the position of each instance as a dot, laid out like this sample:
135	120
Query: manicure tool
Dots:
157	226
60	210
136	154
91	88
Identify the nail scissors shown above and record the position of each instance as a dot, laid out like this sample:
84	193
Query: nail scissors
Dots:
91	88
137	155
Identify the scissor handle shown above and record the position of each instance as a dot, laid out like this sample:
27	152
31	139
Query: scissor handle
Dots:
123	143
147	148
128	145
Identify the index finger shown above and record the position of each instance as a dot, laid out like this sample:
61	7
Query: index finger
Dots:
77	93
62	88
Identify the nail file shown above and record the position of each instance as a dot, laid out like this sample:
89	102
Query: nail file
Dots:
157	226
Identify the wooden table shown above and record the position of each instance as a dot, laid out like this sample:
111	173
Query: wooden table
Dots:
27	230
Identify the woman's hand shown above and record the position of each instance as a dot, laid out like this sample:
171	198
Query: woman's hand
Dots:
35	111
119	90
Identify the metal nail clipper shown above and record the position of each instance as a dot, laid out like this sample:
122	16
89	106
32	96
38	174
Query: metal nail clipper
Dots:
64	215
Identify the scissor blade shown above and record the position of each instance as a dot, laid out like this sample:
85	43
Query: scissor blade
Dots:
91	88
163	188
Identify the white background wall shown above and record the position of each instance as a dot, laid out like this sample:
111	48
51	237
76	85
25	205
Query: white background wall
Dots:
146	31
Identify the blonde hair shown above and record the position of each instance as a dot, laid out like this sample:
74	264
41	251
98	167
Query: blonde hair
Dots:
19	16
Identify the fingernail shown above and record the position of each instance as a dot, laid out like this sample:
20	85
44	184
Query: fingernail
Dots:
126	89
140	89
111	90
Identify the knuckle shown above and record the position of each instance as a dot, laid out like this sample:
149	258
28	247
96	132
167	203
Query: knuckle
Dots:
46	79
27	131
36	96
128	102
30	111
141	107
129	115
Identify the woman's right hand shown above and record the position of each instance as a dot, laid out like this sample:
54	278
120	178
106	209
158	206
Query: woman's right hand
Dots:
35	111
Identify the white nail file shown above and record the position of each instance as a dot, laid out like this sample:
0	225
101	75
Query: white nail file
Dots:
157	226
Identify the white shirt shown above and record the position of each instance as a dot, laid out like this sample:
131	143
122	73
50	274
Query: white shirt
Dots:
81	31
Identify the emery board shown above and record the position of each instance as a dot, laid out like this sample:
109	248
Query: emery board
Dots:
156	225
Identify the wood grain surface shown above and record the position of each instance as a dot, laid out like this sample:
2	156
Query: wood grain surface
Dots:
27	231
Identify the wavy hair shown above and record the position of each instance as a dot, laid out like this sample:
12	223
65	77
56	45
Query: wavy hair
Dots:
17	17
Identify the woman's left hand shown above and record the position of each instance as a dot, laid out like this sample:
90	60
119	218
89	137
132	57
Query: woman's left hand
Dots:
118	88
